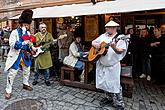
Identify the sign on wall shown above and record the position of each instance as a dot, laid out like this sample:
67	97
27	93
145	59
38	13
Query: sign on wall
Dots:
48	22
91	28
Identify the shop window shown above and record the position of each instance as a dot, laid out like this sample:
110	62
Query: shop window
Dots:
128	23
114	17
72	21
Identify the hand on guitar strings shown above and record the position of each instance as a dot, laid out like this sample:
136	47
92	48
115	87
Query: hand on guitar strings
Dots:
117	50
97	45
113	45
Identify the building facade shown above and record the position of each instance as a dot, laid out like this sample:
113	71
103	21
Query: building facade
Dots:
12	7
93	25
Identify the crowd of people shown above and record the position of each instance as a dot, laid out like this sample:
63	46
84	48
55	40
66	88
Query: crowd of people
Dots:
4	41
145	52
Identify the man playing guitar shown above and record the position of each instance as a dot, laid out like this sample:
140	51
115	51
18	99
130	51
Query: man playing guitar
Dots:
108	67
43	61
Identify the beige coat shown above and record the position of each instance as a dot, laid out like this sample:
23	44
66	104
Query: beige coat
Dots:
13	53
72	59
65	41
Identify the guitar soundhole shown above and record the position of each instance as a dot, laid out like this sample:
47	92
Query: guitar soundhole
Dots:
97	51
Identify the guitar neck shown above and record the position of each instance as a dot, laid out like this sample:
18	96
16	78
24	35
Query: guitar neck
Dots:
49	43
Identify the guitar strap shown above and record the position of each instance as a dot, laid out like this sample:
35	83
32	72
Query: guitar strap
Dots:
46	41
40	42
114	38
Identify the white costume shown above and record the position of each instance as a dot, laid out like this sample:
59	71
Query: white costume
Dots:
13	53
19	54
11	59
108	66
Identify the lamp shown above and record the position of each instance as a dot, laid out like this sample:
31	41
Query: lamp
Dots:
19	3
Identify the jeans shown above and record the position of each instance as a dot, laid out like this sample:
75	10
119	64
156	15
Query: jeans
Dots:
146	67
44	71
79	65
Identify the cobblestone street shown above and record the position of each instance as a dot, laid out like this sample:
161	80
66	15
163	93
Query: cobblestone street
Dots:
56	97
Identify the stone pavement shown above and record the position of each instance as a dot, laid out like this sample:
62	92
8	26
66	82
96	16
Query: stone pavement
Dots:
57	97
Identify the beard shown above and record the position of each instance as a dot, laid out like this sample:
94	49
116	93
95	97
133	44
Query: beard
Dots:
43	31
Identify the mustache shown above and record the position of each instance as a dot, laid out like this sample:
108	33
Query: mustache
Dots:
109	33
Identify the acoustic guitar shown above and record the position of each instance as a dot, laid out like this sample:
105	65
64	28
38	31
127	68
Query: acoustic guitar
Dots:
95	54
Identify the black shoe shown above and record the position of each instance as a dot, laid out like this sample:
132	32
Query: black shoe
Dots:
29	88
35	82
47	83
105	101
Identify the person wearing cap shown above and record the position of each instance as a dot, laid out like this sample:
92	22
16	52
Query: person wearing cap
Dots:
19	55
108	67
41	66
64	43
75	53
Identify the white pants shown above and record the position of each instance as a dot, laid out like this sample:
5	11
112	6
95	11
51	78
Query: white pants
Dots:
11	75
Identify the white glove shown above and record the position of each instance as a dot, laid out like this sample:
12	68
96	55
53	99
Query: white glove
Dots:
23	30
25	42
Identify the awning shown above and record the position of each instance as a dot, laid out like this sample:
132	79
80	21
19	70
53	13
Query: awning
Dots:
107	7
4	19
139	5
15	17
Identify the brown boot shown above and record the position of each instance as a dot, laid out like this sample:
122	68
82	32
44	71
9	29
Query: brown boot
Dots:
27	87
7	95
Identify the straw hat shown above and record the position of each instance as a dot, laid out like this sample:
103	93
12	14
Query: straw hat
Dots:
112	24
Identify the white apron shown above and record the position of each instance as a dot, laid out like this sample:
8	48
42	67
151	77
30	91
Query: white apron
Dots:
108	67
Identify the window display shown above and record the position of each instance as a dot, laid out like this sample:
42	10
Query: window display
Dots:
72	21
